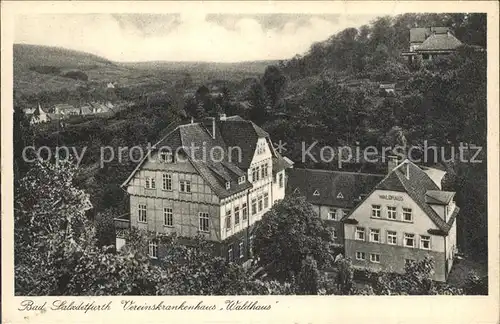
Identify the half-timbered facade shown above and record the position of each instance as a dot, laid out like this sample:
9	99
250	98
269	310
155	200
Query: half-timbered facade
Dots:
213	178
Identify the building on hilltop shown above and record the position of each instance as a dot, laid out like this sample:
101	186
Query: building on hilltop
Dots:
406	217
430	42
218	191
333	194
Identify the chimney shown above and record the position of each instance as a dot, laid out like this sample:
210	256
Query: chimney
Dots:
392	163
213	128
407	170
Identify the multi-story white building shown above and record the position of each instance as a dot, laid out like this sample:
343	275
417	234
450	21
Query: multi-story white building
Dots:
213	178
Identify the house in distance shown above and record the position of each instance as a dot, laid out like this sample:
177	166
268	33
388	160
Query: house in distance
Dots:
430	42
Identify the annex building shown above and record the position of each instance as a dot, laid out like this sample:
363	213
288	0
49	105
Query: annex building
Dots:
382	222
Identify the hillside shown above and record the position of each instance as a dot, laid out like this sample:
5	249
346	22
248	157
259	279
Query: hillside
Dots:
42	68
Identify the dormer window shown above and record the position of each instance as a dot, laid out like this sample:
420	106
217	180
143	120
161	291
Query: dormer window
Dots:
340	196
316	193
241	180
166	157
228	185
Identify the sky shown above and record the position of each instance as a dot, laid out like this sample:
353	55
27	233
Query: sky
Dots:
184	37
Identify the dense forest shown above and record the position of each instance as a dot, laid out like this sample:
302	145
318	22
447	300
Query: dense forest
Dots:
330	95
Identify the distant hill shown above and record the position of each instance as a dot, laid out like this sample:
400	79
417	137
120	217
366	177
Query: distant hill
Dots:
26	56
250	67
43	68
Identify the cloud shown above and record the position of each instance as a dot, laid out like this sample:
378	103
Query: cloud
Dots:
185	37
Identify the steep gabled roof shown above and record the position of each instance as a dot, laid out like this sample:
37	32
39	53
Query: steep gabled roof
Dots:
209	155
335	188
243	134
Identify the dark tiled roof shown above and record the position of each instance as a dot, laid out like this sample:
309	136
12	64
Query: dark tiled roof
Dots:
329	185
215	165
243	134
440	42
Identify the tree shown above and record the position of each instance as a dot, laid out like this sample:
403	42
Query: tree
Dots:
287	234
274	82
258	103
308	278
345	275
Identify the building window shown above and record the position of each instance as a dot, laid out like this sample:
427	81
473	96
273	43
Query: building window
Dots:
265	171
266	200
242	250
334	233
185	186
254	206
203	222
261	202
244	211
360	233
153	249
168	217
166	157
228	185
407	216
332	213
261	148
255	174
230	253
167	182
142	214
241	180
228	220
360	256
392	238
425	242
375	235
376	211
237	215
425	56
375	257
409	240
280	180
391	212
409	262
150	183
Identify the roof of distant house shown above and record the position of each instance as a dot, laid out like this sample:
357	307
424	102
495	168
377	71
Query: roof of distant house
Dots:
440	42
420	34
233	135
331	188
